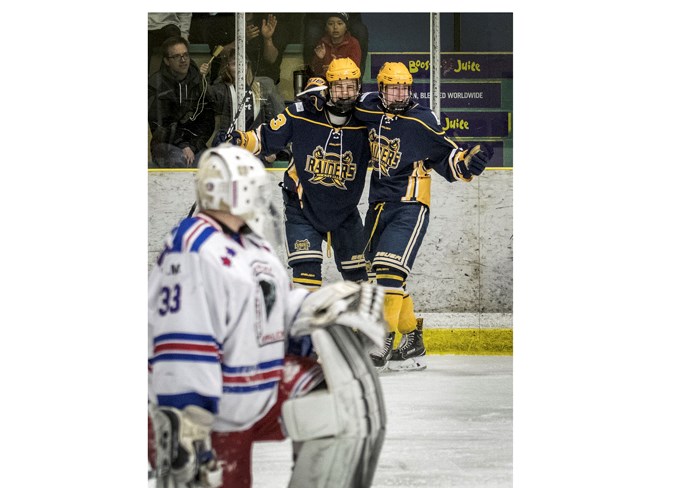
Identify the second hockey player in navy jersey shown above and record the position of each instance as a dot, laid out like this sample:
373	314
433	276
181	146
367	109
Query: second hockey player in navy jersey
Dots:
325	178
407	143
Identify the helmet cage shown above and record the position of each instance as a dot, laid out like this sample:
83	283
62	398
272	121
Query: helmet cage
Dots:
397	106
339	70
342	105
394	74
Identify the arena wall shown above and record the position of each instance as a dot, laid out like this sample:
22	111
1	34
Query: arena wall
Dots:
463	275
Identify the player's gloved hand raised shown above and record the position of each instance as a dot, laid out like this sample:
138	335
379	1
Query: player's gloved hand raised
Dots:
479	157
236	138
314	95
471	162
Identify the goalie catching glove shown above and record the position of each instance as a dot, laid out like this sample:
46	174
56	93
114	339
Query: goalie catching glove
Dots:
355	305
183	446
314	95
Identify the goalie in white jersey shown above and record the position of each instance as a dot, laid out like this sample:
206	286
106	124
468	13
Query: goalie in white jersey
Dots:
222	315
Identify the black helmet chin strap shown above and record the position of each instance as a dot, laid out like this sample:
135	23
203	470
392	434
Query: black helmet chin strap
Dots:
341	107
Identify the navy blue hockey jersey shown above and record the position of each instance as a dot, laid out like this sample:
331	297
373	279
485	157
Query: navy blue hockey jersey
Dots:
329	163
405	148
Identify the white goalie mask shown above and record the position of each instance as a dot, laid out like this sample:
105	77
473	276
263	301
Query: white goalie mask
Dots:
231	179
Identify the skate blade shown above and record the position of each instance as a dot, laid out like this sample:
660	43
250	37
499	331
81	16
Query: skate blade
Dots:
410	364
382	369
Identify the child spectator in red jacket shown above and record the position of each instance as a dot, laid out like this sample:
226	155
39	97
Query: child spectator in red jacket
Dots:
336	43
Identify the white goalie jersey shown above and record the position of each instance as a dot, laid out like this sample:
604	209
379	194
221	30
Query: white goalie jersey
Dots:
219	308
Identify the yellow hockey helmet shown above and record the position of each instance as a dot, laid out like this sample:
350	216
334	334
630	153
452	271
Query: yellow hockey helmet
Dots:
342	96
392	74
343	69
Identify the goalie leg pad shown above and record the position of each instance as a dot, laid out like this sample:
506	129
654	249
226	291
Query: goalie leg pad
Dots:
341	429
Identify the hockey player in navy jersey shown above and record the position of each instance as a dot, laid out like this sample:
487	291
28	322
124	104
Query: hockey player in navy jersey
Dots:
407	143
221	316
325	177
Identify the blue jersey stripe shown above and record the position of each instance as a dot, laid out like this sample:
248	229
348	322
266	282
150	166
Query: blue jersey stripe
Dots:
201	238
246	369
186	337
180	231
184	357
250	389
182	400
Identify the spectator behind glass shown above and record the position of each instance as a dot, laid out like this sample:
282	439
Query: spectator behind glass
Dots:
162	26
314	29
336	43
180	117
266	39
213	29
258	107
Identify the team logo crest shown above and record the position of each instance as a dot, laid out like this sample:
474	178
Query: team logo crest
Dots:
385	153
303	245
331	169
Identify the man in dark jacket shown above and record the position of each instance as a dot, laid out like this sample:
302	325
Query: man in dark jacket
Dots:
181	118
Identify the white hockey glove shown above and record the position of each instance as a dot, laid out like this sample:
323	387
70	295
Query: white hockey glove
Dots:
355	305
183	444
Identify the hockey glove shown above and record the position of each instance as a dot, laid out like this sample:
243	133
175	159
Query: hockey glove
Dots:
314	95
247	140
235	138
358	306
464	164
477	158
183	439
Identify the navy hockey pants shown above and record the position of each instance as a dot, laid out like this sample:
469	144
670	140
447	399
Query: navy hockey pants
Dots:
304	245
394	232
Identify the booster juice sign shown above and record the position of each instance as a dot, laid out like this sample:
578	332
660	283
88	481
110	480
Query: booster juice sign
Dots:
453	65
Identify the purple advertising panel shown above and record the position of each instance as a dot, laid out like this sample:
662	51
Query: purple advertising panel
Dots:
457	95
453	65
476	124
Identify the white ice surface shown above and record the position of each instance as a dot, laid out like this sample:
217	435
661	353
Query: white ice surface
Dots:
448	426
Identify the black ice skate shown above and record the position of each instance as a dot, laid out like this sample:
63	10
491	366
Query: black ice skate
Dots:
381	358
410	354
